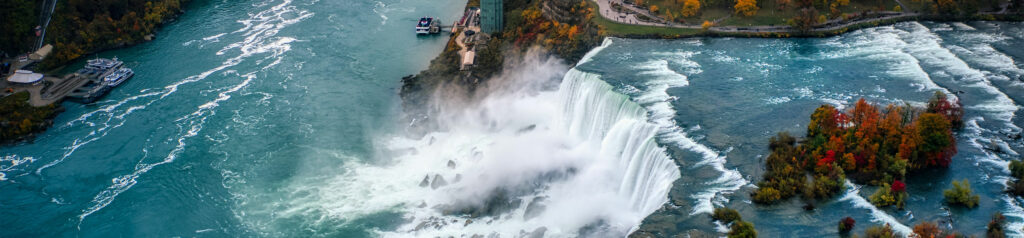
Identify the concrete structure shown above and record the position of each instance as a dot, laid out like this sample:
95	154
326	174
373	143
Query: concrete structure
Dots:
24	77
467	60
41	53
492	18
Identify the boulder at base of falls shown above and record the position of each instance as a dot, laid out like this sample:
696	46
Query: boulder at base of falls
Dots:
438	182
426	181
536	233
534	209
451	164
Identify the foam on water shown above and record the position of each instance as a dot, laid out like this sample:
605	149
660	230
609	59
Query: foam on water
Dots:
885	44
260	40
658	102
926	46
852	195
590	54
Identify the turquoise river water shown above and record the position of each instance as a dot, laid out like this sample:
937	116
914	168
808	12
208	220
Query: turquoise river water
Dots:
280	118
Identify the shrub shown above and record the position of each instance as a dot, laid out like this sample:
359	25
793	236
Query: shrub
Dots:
742	229
1017	169
960	194
766	195
1016	186
726	215
880	232
889	195
995	226
927	229
846	224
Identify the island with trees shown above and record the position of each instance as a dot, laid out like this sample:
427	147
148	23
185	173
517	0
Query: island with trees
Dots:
864	144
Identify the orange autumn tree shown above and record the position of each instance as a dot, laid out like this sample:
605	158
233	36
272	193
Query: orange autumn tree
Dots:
691	7
746	7
868	144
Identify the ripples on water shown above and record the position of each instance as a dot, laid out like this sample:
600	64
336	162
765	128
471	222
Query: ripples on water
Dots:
276	118
740	92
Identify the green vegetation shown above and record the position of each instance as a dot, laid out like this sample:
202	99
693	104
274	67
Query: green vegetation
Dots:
19	120
739	228
889	195
868	145
742	229
17	19
880	232
1016	185
566	29
960	194
725	215
79	27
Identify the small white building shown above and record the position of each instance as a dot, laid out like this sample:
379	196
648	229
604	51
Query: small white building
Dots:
467	59
41	53
25	77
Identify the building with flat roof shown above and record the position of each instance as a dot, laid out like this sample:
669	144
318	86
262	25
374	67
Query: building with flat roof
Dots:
492	17
24	77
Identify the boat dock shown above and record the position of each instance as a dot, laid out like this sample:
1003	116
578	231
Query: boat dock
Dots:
85	85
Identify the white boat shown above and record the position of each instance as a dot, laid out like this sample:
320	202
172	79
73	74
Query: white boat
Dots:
428	25
117	77
102	65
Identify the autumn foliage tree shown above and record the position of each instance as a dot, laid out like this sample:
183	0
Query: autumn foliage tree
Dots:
746	7
868	144
690	8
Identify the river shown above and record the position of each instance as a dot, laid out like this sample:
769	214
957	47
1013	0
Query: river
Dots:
280	118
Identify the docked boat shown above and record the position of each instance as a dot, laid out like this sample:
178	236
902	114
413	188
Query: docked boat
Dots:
428	25
117	77
103	75
103	65
89	92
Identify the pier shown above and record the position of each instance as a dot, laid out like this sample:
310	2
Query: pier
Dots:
87	84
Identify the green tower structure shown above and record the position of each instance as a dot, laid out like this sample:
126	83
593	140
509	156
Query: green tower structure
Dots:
492	17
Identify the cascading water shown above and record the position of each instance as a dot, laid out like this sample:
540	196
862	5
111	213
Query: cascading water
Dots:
577	161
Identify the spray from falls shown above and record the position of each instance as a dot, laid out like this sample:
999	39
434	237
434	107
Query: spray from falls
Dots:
533	156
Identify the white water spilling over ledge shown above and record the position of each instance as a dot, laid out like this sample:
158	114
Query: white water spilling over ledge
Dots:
579	161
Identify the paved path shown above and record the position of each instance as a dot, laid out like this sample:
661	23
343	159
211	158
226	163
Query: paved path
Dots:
606	10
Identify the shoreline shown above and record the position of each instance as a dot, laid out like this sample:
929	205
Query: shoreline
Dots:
719	31
12	130
414	93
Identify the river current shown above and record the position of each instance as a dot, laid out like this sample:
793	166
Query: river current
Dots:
280	118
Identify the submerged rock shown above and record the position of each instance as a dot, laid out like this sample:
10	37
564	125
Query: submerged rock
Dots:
426	181
526	129
438	182
534	209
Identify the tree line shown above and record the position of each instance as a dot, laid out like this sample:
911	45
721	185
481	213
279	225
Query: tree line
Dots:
79	27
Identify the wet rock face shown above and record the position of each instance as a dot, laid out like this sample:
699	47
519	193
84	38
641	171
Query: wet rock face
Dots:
534	209
425	182
438	182
451	164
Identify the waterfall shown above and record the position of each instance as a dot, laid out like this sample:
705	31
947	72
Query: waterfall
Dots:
592	110
576	160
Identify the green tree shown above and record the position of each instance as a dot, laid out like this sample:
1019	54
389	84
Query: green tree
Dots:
960	194
725	215
742	229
